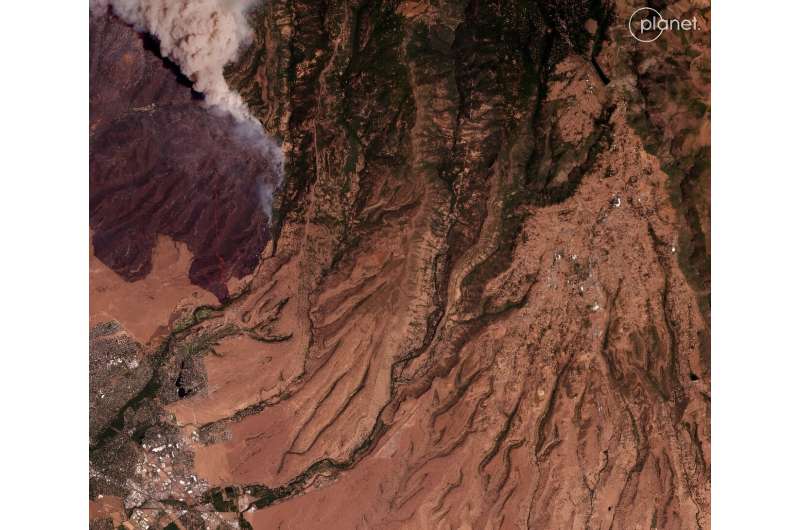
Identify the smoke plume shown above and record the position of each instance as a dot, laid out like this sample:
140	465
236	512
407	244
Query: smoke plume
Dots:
201	37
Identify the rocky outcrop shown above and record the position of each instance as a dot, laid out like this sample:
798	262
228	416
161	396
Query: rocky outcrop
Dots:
485	303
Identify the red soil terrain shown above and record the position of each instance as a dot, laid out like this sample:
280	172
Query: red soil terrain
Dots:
485	304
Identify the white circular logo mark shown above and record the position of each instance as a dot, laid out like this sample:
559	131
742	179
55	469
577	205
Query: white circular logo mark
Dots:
649	20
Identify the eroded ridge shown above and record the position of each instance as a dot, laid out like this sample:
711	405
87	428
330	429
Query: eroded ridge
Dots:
485	303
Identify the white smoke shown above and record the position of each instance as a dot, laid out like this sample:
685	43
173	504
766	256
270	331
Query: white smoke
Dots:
201	37
250	132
